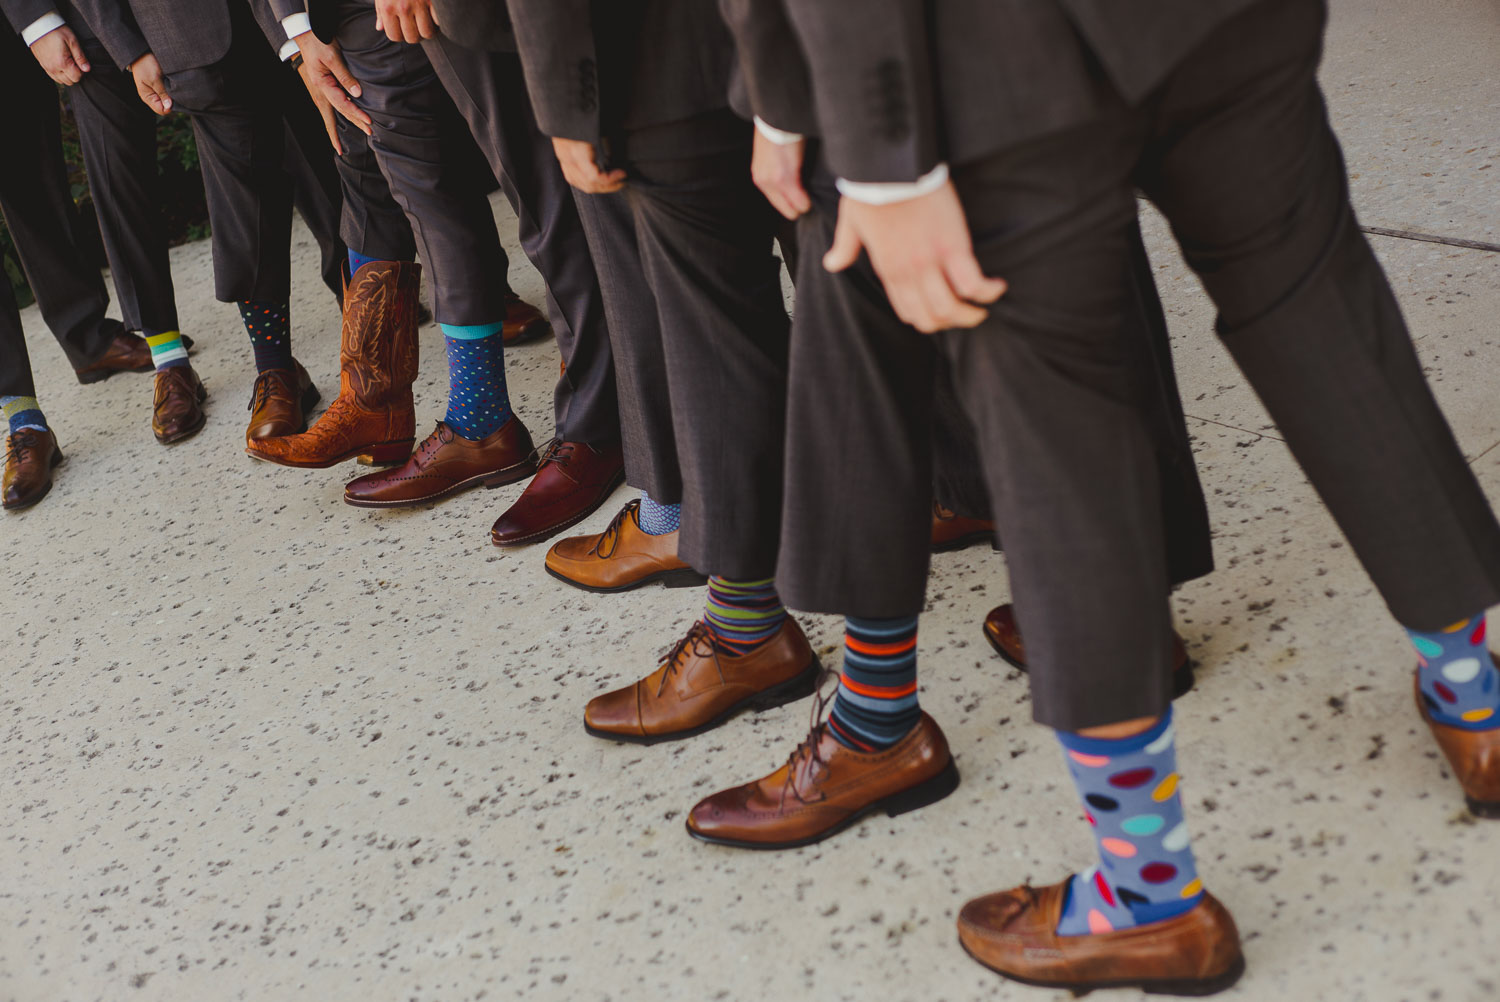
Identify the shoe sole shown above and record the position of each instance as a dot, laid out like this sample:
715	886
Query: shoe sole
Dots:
681	577
188	433
913	798
1182	987
379	454
59	461
1183	679
499	478
548	533
1487	809
964	542
799	686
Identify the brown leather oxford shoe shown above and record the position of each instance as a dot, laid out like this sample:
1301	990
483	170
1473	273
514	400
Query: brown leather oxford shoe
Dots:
31	455
1474	757
1004	635
127	352
177	408
621	557
572	480
446	463
279	403
523	322
952	531
1014	933
702	683
825	787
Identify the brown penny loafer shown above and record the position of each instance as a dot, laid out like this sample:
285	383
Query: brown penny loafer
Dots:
127	352
702	683
177	408
1004	635
279	403
31	455
621	557
825	787
523	322
446	463
1474	757
572	480
952	531
1014	933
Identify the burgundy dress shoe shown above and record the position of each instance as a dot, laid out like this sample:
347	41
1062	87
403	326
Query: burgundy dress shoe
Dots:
446	463
126	353
177	408
572	480
952	531
1474	757
1004	635
31	455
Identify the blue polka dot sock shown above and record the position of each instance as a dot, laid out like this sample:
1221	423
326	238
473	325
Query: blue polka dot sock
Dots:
1457	675
1146	871
875	705
743	614
270	328
23	412
659	519
478	402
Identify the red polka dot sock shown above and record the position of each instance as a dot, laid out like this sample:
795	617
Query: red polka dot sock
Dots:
1146	871
1457	675
270	328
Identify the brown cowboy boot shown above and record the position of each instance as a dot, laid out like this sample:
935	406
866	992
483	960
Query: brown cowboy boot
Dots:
372	418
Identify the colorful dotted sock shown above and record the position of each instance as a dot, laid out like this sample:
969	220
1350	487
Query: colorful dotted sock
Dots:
23	412
659	519
167	349
743	614
876	702
1457	675
478	402
270	328
358	261
1146	871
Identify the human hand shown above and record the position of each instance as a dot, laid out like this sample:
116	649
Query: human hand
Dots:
405	20
61	56
332	86
150	85
776	169
581	168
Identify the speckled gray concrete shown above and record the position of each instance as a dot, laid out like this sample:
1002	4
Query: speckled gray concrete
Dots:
259	745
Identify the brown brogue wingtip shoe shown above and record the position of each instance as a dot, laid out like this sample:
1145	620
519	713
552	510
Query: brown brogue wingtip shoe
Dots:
445	464
1004	636
31	455
621	558
1014	934
1474	757
952	531
127	352
572	480
177	406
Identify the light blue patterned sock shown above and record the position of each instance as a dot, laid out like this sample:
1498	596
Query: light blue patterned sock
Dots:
659	519
1457	675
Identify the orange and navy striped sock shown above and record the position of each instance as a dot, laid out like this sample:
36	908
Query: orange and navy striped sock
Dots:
876	703
270	328
743	615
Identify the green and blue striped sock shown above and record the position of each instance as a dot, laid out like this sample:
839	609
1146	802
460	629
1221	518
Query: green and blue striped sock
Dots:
743	615
23	412
167	349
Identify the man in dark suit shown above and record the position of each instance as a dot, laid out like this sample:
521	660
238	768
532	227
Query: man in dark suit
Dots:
987	156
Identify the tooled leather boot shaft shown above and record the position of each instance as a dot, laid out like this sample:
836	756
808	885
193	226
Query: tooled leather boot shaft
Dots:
378	349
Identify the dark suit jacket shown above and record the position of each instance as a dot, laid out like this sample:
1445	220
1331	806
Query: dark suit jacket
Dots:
22	13
903	84
770	78
182	34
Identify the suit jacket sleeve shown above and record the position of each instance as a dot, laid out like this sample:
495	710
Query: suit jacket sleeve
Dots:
284	9
114	25
771	72
556	41
871	71
23	13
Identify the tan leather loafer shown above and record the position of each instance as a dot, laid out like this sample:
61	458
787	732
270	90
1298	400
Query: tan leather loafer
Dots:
621	557
1474	757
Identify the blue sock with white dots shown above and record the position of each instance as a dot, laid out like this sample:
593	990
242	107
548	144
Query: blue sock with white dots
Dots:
478	401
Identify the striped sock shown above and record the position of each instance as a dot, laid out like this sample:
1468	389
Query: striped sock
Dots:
1457	675
23	412
167	349
743	614
659	519
876	702
270	328
478	402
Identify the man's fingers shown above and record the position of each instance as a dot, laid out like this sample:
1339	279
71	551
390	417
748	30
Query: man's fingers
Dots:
335	64
798	198
944	309
909	305
846	246
411	32
425	26
76	50
969	281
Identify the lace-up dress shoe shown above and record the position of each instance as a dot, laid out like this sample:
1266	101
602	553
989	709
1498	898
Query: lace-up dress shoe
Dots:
127	352
177	408
572	480
1474	757
31	455
446	463
701	684
1004	635
279	403
952	531
523	322
621	557
825	787
1015	934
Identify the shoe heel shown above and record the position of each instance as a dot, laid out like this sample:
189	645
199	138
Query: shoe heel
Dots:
929	791
799	686
685	577
386	453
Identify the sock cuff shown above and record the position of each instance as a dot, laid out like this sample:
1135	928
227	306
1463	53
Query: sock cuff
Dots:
471	332
1116	746
12	406
163	339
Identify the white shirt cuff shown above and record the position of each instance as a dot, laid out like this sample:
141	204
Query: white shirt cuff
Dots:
775	135
873	193
295	25
50	21
289	48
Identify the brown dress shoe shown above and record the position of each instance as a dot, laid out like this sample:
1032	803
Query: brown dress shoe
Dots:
126	353
825	787
372	419
621	557
446	463
1015	934
177	410
1004	635
952	531
523	322
31	455
1474	757
279	403
702	684
572	480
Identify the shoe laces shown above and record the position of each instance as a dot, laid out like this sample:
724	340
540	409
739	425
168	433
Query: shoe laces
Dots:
604	546
441	436
557	452
807	755
261	390
17	444
700	642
